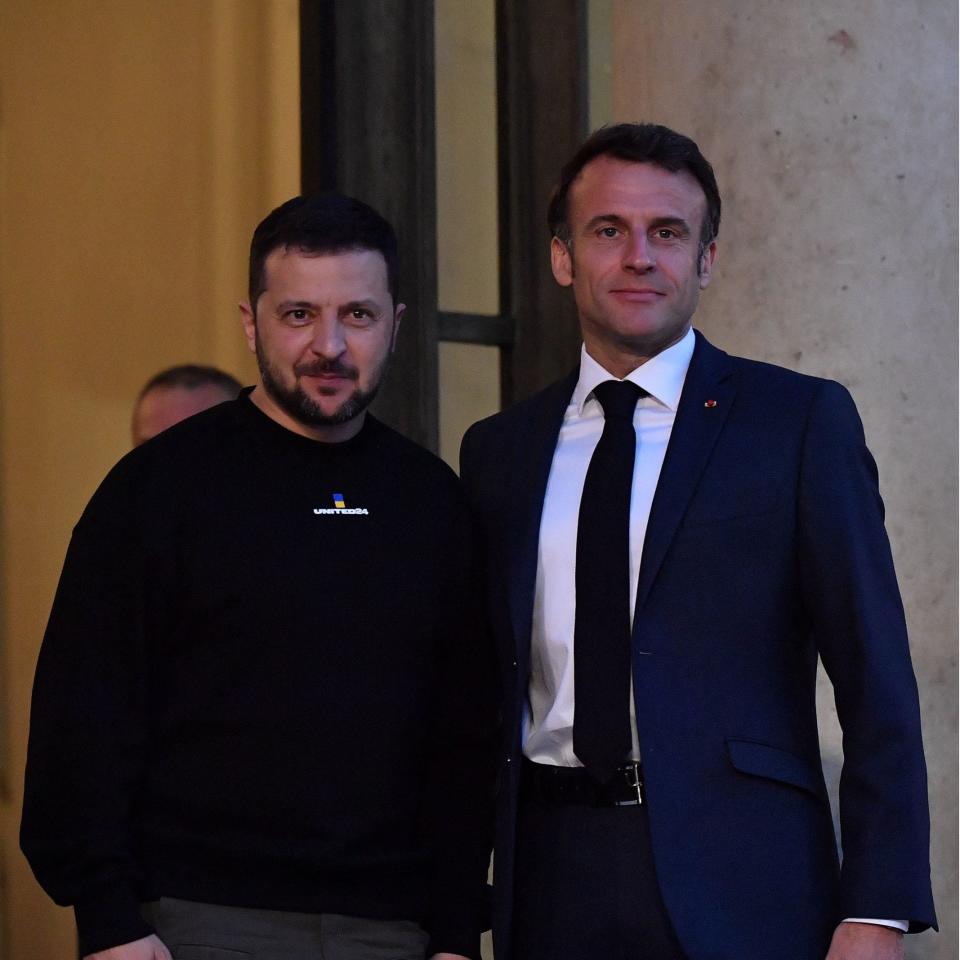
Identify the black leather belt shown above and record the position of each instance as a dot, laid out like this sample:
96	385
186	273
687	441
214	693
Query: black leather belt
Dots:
573	785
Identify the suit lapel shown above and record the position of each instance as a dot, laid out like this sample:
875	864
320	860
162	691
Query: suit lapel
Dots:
534	457
708	393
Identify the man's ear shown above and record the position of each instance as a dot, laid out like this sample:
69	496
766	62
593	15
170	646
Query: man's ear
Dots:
561	260
397	317
249	321
707	260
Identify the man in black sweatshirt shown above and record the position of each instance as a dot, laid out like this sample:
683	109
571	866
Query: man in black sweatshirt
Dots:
262	720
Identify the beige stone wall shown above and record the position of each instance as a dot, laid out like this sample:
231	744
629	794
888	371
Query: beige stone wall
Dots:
832	128
140	144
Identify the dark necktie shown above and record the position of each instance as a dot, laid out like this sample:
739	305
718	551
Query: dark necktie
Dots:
601	639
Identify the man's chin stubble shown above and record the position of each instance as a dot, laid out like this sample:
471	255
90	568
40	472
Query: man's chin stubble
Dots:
308	412
297	404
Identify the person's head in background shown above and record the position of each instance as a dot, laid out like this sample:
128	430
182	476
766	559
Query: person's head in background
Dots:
176	393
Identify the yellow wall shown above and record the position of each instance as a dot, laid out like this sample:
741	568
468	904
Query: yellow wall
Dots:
140	144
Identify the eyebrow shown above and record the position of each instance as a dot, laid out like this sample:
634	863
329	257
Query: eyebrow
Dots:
370	304
604	218
295	305
677	222
617	220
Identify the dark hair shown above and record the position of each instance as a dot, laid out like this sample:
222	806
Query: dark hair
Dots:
639	143
325	223
190	376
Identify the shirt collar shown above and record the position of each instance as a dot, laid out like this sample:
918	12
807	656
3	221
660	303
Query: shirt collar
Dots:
661	376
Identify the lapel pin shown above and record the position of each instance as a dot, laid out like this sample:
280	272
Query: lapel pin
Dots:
710	404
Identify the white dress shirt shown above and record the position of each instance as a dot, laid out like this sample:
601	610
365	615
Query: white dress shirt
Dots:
548	718
548	730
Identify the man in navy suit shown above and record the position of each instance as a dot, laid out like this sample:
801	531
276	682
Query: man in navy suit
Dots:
752	542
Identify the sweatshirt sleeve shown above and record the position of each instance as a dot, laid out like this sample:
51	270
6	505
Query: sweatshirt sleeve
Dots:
88	725
460	789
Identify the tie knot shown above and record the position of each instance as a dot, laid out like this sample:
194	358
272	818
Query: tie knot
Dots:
618	398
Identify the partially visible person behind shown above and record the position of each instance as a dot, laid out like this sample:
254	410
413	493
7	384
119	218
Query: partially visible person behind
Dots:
176	393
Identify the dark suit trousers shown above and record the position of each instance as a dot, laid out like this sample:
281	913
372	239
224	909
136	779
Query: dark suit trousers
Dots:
585	886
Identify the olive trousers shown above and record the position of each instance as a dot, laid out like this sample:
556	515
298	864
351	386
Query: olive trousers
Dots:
203	931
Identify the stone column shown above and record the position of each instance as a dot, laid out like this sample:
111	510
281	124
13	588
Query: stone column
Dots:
832	128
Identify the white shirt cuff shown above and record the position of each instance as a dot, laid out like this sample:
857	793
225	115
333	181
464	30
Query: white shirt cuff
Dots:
900	925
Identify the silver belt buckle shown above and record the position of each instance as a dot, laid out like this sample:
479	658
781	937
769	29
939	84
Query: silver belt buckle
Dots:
633	781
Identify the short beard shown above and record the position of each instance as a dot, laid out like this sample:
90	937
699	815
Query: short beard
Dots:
296	403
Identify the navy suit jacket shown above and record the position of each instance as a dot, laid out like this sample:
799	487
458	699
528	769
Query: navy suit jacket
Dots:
765	547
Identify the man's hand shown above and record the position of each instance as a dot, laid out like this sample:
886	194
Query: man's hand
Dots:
449	956
866	941
149	948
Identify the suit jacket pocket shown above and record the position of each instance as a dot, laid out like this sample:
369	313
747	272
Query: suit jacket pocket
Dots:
733	503
196	951
763	760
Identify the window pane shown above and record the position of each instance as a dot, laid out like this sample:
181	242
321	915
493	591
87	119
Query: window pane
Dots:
469	390
466	87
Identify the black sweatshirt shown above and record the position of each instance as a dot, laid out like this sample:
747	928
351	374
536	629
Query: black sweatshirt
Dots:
264	683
